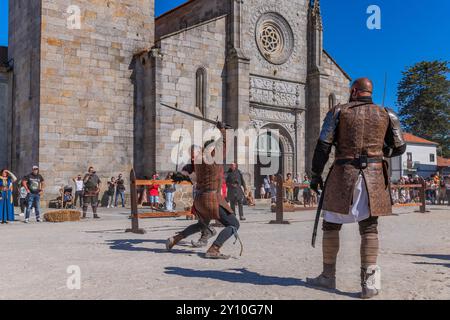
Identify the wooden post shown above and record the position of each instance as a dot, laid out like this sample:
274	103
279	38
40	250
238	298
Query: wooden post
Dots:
279	202
134	206
423	198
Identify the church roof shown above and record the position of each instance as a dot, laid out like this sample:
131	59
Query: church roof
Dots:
175	9
337	65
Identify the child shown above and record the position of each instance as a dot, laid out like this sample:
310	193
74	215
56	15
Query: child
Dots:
262	192
22	199
154	193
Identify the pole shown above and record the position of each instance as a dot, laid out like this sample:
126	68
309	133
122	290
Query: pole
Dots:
134	207
279	202
385	85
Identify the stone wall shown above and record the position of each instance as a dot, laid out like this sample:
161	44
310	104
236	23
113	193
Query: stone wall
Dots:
87	96
5	119
190	14
174	75
336	84
24	48
279	83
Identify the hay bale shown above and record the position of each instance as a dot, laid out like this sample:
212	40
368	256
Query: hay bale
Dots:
62	216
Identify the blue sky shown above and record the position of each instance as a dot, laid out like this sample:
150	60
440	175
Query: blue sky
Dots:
411	31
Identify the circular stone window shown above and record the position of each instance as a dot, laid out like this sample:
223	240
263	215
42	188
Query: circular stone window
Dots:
274	37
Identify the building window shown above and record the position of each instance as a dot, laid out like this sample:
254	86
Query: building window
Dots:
331	101
409	163
431	157
200	90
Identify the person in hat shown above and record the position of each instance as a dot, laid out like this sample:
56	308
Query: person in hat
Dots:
34	184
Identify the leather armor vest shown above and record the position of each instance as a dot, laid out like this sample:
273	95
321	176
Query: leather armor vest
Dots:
361	130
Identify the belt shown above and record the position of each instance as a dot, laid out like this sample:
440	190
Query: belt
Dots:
360	162
199	192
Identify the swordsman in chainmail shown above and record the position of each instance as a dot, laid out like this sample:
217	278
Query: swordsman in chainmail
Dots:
209	203
357	188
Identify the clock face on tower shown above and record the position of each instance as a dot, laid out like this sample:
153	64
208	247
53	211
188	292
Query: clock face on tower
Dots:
274	38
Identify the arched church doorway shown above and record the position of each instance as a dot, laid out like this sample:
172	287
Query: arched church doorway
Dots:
274	155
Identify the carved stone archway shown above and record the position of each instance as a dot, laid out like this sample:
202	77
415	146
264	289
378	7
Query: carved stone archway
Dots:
284	148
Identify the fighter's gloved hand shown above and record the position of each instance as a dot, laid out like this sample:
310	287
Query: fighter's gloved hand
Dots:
220	125
179	177
316	182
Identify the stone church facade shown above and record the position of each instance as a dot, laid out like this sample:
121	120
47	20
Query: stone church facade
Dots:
93	96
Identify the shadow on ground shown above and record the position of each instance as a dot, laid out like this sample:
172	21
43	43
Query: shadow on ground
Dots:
133	245
444	257
242	275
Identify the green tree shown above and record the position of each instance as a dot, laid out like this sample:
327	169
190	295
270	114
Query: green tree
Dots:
424	101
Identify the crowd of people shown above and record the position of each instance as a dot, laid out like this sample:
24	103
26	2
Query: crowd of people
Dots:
234	189
297	190
437	190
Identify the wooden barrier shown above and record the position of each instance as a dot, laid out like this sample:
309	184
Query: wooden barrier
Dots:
135	215
281	186
422	196
279	219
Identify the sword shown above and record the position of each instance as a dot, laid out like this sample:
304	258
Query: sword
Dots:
316	222
194	115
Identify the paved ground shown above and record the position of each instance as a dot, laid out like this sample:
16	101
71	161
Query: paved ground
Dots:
415	259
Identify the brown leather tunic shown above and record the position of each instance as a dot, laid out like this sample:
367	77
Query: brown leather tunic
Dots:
208	197
361	130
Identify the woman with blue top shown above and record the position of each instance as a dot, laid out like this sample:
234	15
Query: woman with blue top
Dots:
7	179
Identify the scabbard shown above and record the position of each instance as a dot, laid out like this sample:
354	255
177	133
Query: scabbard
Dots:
316	221
387	179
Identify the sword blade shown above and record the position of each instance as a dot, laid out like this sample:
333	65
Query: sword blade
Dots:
316	221
189	113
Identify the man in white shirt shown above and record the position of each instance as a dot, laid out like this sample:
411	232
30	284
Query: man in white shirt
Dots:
79	186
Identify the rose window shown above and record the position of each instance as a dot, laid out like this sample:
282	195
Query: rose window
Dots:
274	38
271	39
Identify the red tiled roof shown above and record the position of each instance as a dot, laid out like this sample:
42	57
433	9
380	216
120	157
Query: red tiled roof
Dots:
442	162
413	139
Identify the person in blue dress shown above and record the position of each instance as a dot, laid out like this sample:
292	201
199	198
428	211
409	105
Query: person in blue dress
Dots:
7	179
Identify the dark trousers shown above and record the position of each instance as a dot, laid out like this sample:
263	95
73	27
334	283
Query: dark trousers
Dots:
78	195
231	224
23	204
239	202
296	192
200	226
93	201
228	220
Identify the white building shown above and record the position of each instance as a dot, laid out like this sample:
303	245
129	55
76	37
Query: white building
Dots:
420	158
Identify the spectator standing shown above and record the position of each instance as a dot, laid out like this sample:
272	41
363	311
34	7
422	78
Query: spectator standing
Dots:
297	180
273	190
306	191
434	189
79	186
7	178
120	190
447	190
34	184
110	192
442	192
236	190
91	190
289	188
169	190
22	199
154	193
267	186
262	192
